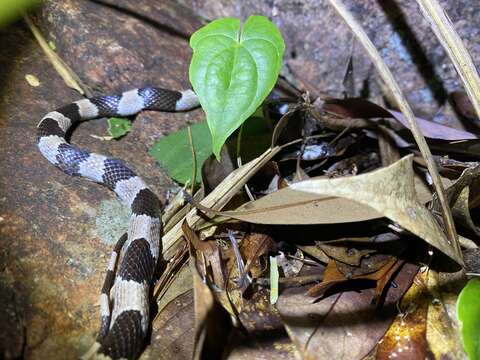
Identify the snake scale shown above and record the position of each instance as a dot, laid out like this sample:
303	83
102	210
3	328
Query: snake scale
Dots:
126	293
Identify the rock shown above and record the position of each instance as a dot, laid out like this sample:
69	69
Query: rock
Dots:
50	242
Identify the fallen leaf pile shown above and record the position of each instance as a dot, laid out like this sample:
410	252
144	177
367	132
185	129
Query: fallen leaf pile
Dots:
319	235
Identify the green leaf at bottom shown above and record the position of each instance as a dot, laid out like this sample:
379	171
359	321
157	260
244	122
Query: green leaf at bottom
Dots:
468	312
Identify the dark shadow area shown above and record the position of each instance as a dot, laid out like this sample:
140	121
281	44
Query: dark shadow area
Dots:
397	19
361	315
15	40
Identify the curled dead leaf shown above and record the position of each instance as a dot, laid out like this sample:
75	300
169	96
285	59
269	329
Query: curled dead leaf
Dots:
462	196
388	192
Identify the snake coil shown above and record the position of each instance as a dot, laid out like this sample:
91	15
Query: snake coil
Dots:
125	296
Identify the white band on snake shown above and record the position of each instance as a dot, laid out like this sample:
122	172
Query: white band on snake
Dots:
125	317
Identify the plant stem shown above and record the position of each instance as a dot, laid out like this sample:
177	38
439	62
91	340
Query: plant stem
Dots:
456	50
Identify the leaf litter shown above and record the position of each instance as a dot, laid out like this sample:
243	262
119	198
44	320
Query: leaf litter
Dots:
354	232
327	240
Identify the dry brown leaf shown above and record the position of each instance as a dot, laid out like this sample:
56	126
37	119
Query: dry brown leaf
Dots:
331	277
173	281
391	192
179	286
368	265
210	265
254	246
388	192
314	251
203	302
263	336
317	252
342	326
362	108
212	322
461	211
208	257
291	207
334	276
339	327
460	198
347	255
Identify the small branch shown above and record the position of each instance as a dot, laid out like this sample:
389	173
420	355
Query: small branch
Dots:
194	160
239	160
453	45
69	77
292	281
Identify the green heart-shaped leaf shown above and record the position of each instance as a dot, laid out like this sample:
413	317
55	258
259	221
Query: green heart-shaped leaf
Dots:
233	69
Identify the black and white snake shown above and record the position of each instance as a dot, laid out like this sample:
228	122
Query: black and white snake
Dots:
125	296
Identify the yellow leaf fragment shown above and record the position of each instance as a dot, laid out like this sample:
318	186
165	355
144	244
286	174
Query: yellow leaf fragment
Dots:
32	80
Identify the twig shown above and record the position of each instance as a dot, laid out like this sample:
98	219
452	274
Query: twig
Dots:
243	279
67	74
453	45
239	160
472	274
292	281
408	113
194	160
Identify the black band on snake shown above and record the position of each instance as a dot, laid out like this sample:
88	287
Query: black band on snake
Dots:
125	298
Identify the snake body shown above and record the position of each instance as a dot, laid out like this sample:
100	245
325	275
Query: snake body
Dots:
125	296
